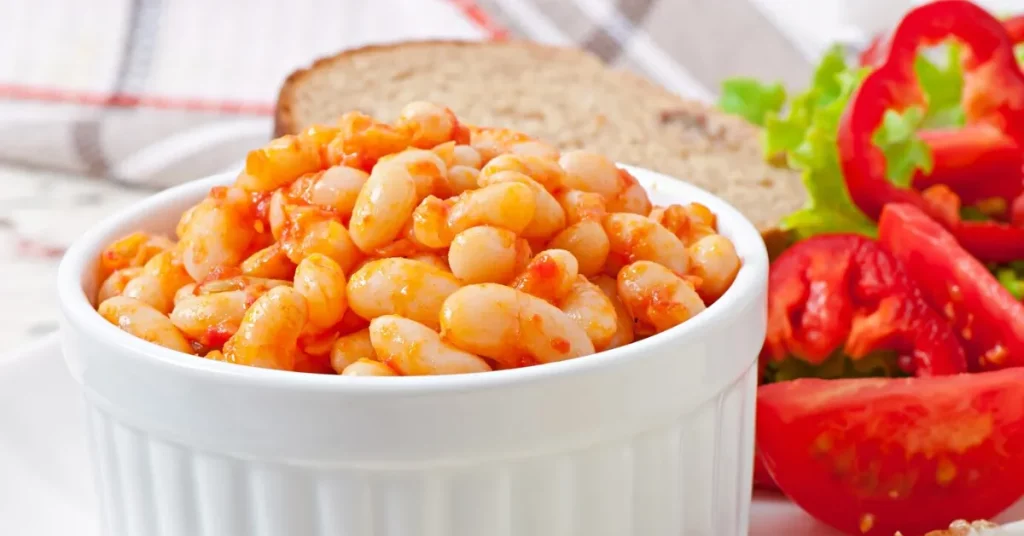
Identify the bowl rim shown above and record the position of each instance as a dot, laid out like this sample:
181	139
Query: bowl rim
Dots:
78	310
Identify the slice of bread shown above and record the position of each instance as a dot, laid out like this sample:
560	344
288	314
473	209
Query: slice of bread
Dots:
564	96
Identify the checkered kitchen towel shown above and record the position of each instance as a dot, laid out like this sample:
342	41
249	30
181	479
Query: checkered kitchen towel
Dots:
104	101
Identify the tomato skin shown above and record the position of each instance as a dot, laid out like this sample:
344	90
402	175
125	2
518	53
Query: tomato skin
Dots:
985	316
877	455
762	478
844	292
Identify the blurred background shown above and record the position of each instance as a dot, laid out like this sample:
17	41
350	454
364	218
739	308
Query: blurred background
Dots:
106	101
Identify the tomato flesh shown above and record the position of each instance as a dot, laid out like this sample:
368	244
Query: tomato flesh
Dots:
877	455
988	320
842	294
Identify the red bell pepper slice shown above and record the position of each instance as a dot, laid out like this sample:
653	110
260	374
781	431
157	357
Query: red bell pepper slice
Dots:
879	455
975	162
993	103
987	318
1015	28
845	293
877	48
875	51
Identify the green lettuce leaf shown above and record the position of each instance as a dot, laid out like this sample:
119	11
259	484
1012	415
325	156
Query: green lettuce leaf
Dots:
751	99
783	133
1011	280
803	133
879	364
943	87
972	213
807	136
1011	276
905	152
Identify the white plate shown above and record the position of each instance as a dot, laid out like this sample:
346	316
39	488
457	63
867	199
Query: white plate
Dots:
46	487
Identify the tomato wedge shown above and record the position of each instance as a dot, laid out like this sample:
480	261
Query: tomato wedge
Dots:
762	478
844	293
877	455
985	316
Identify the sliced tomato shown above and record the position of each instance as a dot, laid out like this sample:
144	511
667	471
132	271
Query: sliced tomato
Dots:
879	455
762	478
985	316
844	294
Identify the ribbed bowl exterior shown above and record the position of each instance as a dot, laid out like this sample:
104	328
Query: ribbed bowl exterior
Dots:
652	439
690	476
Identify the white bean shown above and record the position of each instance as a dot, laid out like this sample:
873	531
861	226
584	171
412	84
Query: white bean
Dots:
404	287
185	293
579	205
632	197
161	278
311	231
270	262
483	255
588	242
548	216
633	238
268	334
465	155
590	172
549	276
218	234
143	321
368	367
588	306
322	282
211	318
278	163
656	296
114	284
714	260
623	321
429	124
351	348
383	206
335	188
416	350
543	170
462	178
508	205
510	326
426	168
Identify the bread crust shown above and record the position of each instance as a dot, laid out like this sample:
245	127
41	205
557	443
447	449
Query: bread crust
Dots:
711	142
284	118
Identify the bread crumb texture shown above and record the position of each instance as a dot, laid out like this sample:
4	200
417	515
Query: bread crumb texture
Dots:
566	97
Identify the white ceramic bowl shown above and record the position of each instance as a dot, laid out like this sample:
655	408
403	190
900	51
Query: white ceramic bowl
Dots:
652	439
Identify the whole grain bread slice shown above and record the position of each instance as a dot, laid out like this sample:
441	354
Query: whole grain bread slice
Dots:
564	96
